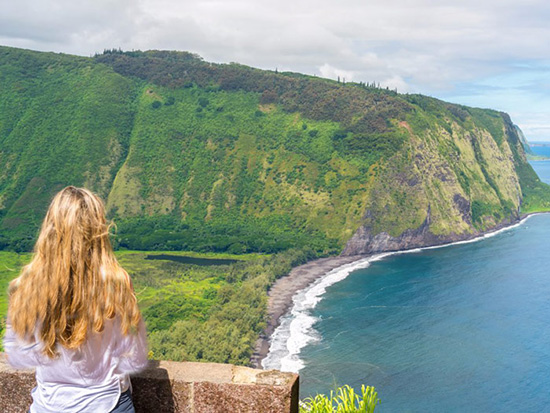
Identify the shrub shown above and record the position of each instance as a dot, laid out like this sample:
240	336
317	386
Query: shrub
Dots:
346	401
268	96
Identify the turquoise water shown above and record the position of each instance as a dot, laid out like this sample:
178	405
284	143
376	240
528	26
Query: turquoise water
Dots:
463	328
542	167
542	150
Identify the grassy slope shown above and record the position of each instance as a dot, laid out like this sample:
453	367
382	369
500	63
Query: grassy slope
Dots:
63	120
462	170
235	158
228	158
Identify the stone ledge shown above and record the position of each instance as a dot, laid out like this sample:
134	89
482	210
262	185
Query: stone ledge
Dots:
167	386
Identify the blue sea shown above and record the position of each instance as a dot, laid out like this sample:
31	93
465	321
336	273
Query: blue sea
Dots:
462	328
542	167
542	150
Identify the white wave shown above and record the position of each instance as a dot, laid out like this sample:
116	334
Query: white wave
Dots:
296	328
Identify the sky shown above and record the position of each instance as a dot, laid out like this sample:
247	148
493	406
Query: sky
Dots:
483	53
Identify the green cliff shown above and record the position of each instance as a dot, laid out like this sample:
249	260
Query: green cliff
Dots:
197	156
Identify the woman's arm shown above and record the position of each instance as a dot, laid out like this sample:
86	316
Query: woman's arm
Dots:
132	351
21	354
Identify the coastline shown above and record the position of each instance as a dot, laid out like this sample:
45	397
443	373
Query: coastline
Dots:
281	292
280	295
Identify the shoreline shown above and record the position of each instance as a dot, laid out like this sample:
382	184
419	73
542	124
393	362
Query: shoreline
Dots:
283	290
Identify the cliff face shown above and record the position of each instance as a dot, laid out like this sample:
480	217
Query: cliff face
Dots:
198	156
446	185
364	242
524	142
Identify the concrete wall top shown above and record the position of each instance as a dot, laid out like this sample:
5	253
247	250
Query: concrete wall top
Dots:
168	386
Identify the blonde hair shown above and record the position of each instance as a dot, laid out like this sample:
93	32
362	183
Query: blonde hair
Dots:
73	283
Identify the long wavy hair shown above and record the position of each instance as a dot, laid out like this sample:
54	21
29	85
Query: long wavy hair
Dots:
73	283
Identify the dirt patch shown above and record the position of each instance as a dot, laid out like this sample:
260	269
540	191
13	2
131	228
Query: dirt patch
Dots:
267	108
405	125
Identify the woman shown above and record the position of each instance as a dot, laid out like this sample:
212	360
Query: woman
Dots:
73	313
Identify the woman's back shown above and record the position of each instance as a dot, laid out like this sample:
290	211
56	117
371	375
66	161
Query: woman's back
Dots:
88	379
73	313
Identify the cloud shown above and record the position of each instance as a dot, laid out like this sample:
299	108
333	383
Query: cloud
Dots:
334	73
429	43
395	83
64	25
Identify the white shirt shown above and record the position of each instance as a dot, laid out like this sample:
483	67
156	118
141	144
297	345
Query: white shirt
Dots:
89	379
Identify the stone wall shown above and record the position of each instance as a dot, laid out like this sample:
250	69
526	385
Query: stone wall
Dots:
181	387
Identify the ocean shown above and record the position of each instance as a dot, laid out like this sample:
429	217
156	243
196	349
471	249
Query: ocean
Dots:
451	329
542	150
542	167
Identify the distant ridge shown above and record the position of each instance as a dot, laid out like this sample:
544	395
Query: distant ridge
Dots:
223	157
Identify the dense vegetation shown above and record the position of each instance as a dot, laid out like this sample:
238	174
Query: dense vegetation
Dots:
194	313
226	158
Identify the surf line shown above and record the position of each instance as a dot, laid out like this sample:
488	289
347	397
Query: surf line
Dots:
296	329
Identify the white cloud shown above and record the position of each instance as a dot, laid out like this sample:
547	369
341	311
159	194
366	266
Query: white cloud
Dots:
334	73
395	83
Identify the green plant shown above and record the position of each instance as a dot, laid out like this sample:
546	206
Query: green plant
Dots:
345	401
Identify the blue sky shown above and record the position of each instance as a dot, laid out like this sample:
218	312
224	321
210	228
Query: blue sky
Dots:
479	53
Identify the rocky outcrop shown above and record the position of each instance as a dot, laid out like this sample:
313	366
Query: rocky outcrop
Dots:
364	242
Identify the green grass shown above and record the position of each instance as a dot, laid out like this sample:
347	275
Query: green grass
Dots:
10	265
168	291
